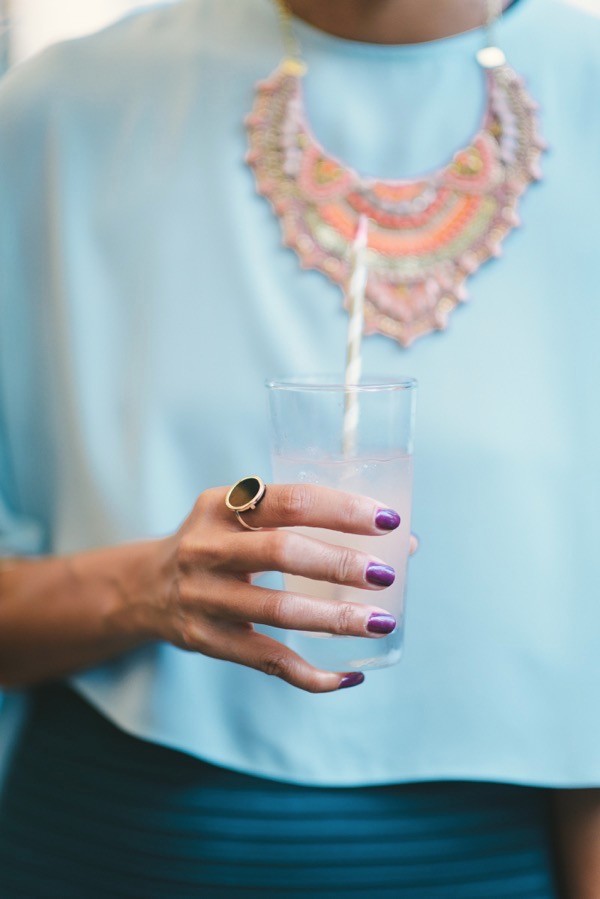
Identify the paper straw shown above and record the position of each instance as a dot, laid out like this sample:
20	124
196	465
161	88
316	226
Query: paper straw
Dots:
356	304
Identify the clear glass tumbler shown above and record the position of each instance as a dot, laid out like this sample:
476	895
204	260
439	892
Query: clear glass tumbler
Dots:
308	446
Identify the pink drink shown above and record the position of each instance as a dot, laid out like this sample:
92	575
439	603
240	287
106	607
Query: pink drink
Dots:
388	480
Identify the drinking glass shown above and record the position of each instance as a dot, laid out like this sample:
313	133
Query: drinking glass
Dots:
310	445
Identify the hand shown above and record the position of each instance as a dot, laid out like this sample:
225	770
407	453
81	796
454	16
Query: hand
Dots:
209	605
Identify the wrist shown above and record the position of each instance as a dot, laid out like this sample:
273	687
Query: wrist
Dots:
136	587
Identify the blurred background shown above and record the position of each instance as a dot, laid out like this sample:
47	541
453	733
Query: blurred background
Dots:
29	25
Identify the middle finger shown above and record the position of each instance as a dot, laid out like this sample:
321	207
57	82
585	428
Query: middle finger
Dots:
293	553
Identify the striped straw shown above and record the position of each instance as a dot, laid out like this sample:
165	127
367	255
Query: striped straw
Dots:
356	303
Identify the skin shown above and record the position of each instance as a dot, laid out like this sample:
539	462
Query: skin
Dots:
194	589
578	832
392	21
577	812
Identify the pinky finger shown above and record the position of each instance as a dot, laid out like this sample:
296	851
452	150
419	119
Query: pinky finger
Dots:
258	651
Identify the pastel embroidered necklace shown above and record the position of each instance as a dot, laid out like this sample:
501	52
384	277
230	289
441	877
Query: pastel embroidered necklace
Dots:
427	235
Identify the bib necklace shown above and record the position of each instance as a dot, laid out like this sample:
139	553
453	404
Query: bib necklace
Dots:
426	235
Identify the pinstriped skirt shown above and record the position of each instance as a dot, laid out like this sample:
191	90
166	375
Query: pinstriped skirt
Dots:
89	811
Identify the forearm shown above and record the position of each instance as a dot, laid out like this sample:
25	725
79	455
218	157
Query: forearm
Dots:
61	614
578	828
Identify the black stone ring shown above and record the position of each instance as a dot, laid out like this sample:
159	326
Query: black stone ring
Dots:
246	494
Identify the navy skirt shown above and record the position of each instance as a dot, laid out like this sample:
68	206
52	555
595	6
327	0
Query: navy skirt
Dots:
89	811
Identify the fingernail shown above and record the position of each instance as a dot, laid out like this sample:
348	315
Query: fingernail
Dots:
351	680
380	623
382	575
387	519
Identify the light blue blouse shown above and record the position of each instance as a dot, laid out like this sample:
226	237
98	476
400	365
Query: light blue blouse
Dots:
145	297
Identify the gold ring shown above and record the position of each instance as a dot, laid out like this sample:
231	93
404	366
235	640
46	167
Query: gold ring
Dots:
245	494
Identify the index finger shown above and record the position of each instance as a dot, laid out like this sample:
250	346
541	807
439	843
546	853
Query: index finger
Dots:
292	505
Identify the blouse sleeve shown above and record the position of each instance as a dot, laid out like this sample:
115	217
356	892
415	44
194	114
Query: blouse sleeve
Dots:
22	529
21	533
22	97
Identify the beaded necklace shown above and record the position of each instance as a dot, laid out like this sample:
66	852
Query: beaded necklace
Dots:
427	235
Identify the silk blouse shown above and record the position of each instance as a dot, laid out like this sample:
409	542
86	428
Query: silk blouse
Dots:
145	296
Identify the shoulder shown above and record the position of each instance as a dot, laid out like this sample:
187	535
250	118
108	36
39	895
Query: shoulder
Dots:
108	67
571	30
557	49
548	33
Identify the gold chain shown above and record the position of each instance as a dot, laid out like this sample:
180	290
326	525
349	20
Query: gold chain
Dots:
493	13
491	56
293	63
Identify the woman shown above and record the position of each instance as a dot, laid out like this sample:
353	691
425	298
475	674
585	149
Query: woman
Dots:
145	298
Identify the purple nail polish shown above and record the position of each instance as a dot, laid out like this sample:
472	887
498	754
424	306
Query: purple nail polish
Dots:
387	520
351	680
380	623
381	575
